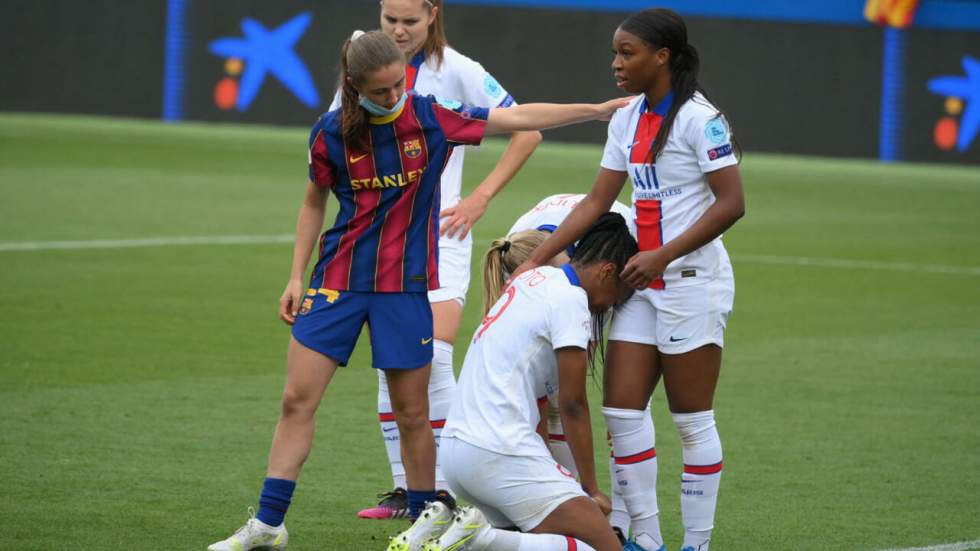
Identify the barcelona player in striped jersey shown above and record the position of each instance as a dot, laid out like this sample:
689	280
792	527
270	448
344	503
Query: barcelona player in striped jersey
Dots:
381	155
434	67
678	150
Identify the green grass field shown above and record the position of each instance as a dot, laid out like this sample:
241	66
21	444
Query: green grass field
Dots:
139	386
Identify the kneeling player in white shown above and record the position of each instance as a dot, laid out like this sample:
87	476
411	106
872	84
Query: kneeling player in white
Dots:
501	259
534	341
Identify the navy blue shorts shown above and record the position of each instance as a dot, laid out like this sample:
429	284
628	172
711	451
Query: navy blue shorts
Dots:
400	325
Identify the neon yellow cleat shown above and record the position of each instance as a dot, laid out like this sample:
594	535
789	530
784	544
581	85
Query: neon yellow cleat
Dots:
466	533
254	535
431	524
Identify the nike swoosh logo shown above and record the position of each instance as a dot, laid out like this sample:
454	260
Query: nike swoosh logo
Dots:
427	341
354	159
391	429
672	339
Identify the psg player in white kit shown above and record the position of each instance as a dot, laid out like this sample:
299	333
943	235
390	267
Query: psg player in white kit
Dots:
504	256
434	68
678	150
532	342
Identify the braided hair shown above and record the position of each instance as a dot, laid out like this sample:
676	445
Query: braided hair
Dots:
607	240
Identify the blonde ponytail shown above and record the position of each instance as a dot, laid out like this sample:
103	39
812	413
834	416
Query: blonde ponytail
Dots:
502	258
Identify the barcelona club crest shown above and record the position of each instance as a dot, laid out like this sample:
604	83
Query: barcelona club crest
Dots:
412	148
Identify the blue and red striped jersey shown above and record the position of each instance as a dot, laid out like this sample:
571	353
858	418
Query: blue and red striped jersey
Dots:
386	232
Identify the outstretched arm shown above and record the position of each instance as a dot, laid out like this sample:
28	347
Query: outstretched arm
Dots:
539	116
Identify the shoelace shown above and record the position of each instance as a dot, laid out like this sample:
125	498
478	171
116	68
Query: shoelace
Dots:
248	524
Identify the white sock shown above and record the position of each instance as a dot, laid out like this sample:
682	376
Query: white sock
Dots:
557	443
635	469
389	432
702	475
503	540
620	517
442	389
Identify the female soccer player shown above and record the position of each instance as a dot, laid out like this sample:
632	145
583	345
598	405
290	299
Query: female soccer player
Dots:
504	256
381	154
678	149
533	341
434	68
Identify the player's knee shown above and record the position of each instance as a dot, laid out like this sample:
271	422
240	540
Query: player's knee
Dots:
696	429
297	404
441	375
625	422
412	418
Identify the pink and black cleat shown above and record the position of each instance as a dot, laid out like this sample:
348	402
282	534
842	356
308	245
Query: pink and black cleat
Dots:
393	504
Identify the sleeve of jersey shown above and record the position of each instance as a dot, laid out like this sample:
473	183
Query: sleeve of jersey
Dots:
322	173
571	322
462	124
482	89
711	138
614	158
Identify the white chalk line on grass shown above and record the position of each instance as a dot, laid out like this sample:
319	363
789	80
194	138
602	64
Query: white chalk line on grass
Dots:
288	238
856	264
961	546
148	242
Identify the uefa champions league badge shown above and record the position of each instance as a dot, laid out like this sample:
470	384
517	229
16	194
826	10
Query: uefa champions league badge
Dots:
492	87
719	152
715	131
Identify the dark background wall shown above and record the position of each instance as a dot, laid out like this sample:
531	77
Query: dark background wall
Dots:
788	87
97	56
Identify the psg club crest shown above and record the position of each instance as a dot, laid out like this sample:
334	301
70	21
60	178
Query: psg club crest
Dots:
412	148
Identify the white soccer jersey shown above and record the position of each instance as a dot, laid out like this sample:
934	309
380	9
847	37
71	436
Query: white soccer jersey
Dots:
670	195
458	78
511	361
554	209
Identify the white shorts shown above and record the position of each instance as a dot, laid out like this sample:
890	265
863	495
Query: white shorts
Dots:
676	320
510	490
454	269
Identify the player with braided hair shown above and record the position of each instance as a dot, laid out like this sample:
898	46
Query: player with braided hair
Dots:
502	258
534	341
678	150
381	155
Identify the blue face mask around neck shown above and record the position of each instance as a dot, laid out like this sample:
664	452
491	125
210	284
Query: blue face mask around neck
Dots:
379	111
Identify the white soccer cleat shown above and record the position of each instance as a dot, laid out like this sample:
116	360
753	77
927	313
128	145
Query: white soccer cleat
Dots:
466	533
431	524
254	535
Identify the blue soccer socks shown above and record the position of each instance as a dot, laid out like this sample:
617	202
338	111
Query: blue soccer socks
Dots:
274	500
417	500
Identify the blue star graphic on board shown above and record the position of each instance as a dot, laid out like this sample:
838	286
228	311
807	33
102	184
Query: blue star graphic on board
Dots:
270	51
966	88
